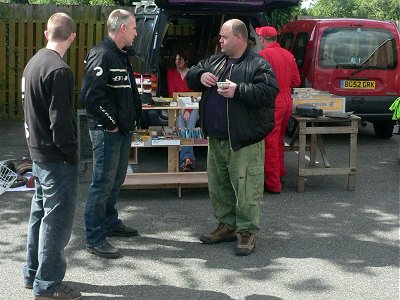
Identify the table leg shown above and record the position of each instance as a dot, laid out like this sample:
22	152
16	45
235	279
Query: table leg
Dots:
351	182
322	149
313	150
302	154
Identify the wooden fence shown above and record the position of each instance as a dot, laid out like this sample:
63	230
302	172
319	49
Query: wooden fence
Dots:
21	36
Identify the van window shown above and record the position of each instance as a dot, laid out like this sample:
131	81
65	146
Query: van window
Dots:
299	48
351	48
286	40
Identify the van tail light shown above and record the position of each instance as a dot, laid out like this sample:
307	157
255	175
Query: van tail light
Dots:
146	83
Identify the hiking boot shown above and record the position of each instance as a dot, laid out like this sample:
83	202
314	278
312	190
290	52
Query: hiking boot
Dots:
246	243
104	250
64	292
219	235
122	230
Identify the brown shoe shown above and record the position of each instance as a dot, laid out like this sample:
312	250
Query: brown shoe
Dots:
246	244
219	235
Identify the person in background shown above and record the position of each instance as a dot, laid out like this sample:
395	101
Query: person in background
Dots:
113	108
176	80
236	118
51	135
287	74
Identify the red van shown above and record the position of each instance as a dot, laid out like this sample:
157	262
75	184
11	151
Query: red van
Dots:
354	58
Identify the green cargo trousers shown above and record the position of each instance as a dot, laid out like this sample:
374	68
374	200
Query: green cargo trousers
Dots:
236	184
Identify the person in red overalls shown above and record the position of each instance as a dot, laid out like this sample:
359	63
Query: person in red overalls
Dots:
287	75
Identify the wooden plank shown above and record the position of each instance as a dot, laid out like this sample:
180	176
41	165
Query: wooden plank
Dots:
3	65
160	179
39	36
89	36
330	130
322	149
70	58
81	55
21	64
29	42
133	156
326	171
12	70
99	32
351	182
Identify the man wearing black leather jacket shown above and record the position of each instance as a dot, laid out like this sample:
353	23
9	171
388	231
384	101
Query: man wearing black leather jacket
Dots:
113	107
236	118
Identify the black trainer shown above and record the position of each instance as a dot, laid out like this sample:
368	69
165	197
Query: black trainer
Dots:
122	230
105	250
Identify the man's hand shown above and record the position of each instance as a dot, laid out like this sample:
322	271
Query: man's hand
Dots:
228	91
208	79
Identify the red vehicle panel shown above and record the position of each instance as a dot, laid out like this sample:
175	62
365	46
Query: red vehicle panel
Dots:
355	58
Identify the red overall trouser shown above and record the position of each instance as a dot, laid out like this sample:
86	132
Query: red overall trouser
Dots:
274	166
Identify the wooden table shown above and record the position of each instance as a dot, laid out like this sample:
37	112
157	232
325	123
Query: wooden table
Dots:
315	127
173	178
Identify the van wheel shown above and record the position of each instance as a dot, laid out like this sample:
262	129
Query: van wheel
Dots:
384	130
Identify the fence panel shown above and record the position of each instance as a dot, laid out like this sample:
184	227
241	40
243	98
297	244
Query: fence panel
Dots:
11	70
3	68
21	62
22	35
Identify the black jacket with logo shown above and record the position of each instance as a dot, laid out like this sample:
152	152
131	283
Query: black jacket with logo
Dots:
109	89
251	110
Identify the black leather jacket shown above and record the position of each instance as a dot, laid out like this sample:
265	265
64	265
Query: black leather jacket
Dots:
109	89
251	110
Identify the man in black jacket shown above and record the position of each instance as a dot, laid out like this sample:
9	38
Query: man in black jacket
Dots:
236	118
47	94
113	107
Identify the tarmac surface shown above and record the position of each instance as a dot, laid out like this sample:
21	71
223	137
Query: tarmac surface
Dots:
326	243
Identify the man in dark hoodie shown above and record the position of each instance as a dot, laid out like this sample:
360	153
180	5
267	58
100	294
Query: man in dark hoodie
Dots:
113	107
236	118
47	93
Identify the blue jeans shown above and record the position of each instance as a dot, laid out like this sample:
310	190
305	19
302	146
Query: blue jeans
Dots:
50	225
187	151
110	162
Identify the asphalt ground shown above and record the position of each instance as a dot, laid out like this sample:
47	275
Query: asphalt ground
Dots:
326	243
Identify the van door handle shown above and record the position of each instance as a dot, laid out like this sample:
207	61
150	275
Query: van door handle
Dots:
358	100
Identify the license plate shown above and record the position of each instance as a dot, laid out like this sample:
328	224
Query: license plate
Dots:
358	84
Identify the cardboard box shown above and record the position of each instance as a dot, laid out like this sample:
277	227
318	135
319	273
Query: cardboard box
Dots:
187	102
187	142
320	99
187	99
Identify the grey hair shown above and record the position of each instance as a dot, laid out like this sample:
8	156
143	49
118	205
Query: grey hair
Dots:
116	18
239	27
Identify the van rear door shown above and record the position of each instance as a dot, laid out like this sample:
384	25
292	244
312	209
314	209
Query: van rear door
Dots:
359	59
247	5
168	25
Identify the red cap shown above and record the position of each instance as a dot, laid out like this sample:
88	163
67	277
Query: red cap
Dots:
266	31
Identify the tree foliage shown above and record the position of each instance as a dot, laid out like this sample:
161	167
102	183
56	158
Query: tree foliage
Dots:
368	9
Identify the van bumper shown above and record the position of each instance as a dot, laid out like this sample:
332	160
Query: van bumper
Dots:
371	108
